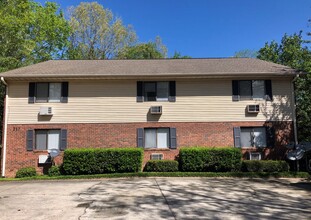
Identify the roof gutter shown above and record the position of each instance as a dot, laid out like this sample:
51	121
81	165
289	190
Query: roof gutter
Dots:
4	132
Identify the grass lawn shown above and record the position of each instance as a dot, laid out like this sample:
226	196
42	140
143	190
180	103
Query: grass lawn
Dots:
170	174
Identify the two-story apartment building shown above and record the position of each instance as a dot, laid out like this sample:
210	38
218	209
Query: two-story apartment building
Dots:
159	105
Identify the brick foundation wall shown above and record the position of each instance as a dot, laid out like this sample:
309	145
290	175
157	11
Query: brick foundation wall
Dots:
209	134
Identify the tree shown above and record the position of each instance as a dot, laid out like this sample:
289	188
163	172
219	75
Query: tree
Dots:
291	52
97	33
246	53
151	50
30	33
177	55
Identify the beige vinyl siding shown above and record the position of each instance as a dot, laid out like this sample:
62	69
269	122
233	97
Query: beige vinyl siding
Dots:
114	101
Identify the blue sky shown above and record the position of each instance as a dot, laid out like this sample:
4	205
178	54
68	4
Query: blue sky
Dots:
209	28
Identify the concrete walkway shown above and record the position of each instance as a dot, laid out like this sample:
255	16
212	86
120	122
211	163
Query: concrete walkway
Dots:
156	198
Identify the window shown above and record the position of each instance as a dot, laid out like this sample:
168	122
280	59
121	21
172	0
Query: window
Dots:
156	91
251	89
47	139
253	137
156	156
157	138
48	92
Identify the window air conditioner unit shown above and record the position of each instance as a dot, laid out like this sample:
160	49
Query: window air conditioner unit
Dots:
156	156
43	159
253	108
255	156
46	111
156	110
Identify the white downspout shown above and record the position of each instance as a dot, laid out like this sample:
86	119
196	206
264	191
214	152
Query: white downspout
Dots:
5	127
294	110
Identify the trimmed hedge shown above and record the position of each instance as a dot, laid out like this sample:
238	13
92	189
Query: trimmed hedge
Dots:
26	172
203	159
54	171
264	166
169	174
102	160
161	166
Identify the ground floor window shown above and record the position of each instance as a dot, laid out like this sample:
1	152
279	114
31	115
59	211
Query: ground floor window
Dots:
149	138
157	137
253	137
47	139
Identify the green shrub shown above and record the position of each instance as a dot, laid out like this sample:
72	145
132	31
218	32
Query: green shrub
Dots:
54	171
203	159
161	166
26	172
102	160
264	166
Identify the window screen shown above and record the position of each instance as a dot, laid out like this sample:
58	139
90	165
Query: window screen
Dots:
55	92
245	89
258	89
41	140
162	91
150	138
260	137
246	137
42	93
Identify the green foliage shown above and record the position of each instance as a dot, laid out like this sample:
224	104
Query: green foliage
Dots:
202	159
109	160
30	33
246	53
264	166
97	33
54	171
177	55
141	51
151	50
26	172
292	52
171	174
161	166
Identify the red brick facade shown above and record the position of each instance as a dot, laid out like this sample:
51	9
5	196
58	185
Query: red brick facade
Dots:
209	134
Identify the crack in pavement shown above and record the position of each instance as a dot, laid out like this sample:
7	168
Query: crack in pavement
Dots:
166	201
91	201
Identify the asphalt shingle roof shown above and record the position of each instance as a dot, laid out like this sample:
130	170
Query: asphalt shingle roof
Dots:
159	67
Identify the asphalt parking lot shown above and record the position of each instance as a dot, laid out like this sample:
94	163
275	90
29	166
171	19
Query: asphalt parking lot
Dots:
157	198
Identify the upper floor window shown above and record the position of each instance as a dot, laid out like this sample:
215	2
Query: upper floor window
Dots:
156	91
251	89
48	92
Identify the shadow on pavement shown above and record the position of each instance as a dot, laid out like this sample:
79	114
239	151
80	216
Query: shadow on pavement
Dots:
199	198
